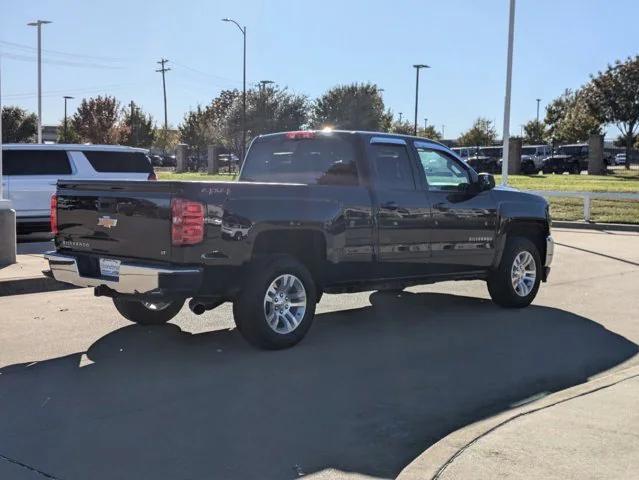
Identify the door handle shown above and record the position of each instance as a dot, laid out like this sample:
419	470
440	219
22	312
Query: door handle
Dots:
390	205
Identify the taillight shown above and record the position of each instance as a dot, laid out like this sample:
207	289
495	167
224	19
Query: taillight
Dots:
187	222
300	134
54	214
152	176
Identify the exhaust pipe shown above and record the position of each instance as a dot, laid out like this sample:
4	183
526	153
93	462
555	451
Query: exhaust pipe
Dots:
199	307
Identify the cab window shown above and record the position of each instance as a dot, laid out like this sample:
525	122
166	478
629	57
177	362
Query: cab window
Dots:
442	171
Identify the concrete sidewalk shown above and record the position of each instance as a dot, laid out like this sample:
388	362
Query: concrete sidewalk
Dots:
25	276
590	431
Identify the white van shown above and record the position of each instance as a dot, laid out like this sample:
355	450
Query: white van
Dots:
30	173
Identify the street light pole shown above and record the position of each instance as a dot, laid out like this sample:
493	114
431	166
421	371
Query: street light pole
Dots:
417	68
243	30
538	100
38	24
509	74
66	97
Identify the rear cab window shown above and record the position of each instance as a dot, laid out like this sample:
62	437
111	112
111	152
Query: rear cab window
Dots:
312	158
35	162
392	165
118	162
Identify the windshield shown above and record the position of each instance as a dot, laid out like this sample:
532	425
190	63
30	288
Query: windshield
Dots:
569	149
491	151
529	150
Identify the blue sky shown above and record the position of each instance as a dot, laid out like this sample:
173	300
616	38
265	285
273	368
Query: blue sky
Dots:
111	47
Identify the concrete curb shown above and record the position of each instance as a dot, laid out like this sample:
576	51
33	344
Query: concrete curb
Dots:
432	462
41	284
619	227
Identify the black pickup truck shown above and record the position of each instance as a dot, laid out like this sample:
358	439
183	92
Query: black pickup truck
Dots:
312	212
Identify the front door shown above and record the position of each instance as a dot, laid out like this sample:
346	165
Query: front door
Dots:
464	220
402	213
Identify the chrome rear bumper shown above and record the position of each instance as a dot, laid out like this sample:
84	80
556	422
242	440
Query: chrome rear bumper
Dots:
133	279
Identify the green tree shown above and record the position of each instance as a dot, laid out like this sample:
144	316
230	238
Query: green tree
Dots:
96	120
613	96
352	107
404	127
197	130
165	140
570	119
18	126
137	128
71	136
481	133
269	109
534	132
430	132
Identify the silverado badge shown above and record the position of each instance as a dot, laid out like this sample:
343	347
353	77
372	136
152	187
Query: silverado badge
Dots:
107	222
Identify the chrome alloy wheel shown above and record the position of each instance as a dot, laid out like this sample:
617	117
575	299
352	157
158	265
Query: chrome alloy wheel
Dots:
285	304
523	273
156	306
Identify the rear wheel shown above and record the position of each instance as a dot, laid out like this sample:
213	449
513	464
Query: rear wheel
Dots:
574	169
516	281
148	313
276	307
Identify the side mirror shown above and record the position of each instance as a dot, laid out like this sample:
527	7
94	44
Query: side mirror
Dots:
485	181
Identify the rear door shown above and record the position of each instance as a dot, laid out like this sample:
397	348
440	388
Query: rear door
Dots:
32	175
402	212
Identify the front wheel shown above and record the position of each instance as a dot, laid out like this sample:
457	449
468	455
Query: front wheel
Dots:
148	313
515	282
276	307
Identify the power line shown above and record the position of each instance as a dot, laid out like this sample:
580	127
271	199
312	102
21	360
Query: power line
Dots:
28	48
27	58
163	70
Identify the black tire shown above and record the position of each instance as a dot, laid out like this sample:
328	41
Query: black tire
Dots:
137	312
500	285
249	306
575	169
391	292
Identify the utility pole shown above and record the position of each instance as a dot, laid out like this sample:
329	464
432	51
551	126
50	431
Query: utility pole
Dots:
509	75
425	124
38	24
66	97
538	100
417	69
443	128
163	70
400	117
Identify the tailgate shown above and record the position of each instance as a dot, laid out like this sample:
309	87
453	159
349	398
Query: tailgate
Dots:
131	219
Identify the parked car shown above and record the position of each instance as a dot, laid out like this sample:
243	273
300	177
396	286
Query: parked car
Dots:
465	152
567	158
532	157
313	212
30	173
486	159
620	159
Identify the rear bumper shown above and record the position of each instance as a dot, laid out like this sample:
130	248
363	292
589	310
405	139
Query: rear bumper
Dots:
135	278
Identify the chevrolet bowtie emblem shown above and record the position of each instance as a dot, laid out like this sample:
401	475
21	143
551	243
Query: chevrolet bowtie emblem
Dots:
107	222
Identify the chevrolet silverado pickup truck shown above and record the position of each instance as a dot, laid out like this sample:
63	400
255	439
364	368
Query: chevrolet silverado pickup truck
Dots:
312	212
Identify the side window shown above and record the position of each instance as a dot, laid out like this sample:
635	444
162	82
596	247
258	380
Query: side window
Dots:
442	171
118	162
35	162
392	166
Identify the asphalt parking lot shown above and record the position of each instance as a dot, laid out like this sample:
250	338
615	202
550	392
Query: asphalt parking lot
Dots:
85	394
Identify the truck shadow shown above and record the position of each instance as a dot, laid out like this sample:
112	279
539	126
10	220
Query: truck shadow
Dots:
366	392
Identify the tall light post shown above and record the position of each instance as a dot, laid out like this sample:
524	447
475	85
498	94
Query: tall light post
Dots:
509	74
417	67
538	100
400	116
66	97
38	24
243	30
